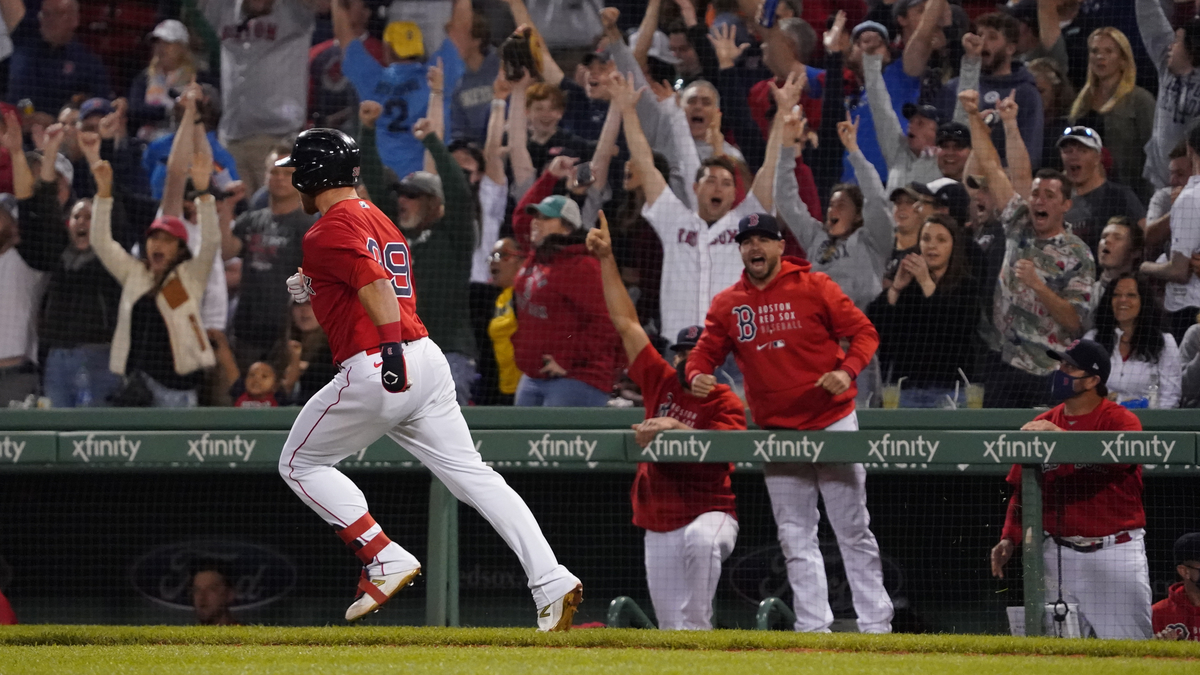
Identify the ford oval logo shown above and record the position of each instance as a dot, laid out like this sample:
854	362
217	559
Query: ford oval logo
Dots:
258	574
762	572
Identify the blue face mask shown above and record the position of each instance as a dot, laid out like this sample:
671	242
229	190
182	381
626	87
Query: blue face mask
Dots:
1062	386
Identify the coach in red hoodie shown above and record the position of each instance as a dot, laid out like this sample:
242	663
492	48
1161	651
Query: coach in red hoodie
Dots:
783	324
565	345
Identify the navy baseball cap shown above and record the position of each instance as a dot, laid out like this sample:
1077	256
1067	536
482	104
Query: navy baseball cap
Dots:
1086	355
954	131
925	110
687	338
760	224
1187	548
950	194
95	106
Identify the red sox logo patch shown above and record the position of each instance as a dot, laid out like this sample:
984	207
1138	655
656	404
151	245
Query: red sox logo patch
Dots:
746	328
1181	630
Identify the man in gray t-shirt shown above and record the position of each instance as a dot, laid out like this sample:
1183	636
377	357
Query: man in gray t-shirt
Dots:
264	75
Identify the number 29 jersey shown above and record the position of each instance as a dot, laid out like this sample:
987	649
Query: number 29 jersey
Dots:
351	246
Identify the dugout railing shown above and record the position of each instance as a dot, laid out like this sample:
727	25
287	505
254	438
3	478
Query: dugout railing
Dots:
522	440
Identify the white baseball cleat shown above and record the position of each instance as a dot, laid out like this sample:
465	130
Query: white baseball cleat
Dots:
377	590
557	615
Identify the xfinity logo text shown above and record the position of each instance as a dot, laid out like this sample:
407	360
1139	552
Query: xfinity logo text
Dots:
660	447
10	449
559	449
802	449
1119	448
885	448
1000	449
90	448
206	448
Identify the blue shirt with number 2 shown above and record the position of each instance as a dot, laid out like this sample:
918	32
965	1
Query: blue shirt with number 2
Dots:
404	94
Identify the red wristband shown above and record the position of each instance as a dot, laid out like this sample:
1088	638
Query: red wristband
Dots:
389	332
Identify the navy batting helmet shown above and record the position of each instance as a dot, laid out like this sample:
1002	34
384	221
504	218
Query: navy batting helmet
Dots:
323	159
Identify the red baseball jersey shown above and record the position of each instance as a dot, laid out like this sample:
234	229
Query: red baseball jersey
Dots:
1084	500
1177	612
347	248
784	338
668	496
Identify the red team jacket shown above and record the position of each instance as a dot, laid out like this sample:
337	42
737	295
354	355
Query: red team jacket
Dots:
561	312
784	337
347	248
667	496
1176	611
1094	500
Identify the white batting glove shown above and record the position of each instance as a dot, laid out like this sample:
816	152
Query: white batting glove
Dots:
298	286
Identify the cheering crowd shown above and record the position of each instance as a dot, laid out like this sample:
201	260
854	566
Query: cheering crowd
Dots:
933	159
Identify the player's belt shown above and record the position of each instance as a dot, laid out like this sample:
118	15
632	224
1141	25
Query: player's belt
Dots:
1119	538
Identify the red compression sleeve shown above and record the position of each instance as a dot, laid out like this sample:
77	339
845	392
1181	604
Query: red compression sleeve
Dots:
389	332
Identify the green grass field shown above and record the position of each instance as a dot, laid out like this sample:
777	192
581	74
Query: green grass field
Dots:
365	650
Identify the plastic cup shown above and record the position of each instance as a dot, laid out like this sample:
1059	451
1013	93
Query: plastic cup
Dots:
975	396
891	396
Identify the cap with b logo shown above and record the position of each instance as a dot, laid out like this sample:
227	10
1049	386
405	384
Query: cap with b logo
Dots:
760	224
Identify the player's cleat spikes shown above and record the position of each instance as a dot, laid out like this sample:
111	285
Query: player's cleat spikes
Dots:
377	590
557	615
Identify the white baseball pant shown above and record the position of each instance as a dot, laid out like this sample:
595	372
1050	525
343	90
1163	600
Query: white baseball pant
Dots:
1111	587
794	489
683	567
353	411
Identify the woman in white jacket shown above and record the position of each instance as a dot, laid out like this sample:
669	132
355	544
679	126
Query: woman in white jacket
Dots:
160	338
1146	368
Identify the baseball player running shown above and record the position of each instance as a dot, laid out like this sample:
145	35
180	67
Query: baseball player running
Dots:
687	510
783	323
391	380
1092	514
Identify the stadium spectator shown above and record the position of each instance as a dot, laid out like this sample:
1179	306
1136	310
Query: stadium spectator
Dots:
688	41
565	26
1182	300
544	108
109	120
53	68
953	150
1112	104
1094	554
1176	56
1045	282
506	261
1001	75
11	14
332	101
1057	96
564	345
401	86
1094	198
1189	355
79	315
268	242
260	388
1041	36
1158	212
853	244
680	228
1119	252
153	92
687	510
1177	616
907	221
225	169
19	303
470	100
927	318
309	364
158	344
212	595
1146	368
264	82
910	156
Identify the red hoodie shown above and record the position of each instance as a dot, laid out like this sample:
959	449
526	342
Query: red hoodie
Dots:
785	337
1176	611
561	312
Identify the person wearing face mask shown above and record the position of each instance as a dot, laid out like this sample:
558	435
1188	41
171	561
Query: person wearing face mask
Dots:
1177	617
1146	368
687	510
1092	514
930	309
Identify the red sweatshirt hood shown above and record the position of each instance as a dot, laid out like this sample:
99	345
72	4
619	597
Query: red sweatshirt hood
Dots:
788	266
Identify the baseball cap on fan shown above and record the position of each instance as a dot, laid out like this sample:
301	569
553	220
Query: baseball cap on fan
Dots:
171	225
420	184
687	338
170	31
1187	548
950	194
760	224
557	206
1086	355
911	110
1085	136
404	37
660	47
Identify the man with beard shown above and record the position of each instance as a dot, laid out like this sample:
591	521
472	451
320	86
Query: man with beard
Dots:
1045	283
436	217
1001	75
686	509
1096	199
784	325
